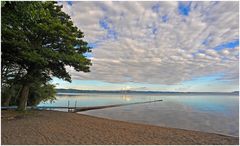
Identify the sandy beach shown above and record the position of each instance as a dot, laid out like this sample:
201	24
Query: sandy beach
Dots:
52	127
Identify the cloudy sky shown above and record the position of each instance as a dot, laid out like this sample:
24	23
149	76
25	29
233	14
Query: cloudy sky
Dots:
164	46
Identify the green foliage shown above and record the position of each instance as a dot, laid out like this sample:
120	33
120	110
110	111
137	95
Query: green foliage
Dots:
10	94
39	36
40	93
38	42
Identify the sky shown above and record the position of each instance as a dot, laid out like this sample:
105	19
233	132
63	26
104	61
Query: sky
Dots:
157	46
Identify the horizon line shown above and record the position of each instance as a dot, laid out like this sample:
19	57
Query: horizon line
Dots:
147	91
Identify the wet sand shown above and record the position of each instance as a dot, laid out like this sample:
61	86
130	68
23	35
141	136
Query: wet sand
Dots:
52	127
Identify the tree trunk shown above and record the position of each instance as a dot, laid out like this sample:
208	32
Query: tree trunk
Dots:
22	104
7	96
7	100
18	94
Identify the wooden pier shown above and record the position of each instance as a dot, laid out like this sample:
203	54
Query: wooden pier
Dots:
79	109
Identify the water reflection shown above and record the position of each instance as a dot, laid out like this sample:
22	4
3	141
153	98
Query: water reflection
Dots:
126	97
210	113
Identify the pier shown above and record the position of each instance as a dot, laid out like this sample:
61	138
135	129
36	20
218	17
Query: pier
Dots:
78	109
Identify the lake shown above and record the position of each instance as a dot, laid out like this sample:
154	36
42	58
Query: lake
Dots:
209	113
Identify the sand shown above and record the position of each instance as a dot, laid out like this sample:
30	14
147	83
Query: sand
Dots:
52	127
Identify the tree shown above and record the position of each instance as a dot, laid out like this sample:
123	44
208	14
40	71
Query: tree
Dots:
42	40
41	92
11	75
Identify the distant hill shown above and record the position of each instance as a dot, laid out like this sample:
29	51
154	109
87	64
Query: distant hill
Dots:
132	91
235	92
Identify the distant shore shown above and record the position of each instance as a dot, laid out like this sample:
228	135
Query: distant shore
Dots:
53	127
72	92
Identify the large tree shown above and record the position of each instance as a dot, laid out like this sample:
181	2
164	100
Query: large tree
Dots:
41	40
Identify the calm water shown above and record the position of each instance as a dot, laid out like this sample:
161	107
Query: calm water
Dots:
209	113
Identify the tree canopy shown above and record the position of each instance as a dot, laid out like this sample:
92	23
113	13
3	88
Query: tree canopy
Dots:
39	41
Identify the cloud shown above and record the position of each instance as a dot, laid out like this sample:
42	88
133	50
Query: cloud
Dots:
158	42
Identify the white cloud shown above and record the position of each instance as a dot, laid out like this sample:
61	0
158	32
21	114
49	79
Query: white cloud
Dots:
173	53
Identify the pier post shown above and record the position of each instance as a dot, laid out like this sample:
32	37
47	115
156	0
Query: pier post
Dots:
68	105
75	105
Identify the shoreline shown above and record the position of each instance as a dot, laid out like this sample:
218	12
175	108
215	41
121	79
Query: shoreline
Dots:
55	127
144	124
